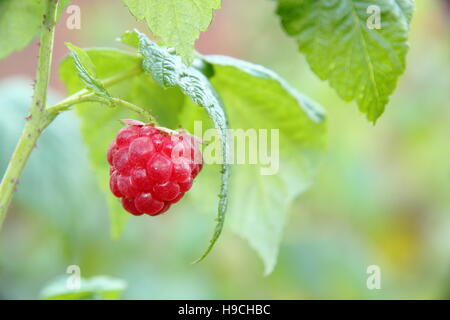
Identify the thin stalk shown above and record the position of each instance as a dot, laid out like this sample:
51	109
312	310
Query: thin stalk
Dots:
112	102
130	106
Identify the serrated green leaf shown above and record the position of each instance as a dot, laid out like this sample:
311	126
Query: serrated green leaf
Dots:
360	63
164	67
195	85
86	71
100	125
257	98
177	22
168	70
100	287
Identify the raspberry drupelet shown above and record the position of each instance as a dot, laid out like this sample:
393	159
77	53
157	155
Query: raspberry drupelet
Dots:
152	168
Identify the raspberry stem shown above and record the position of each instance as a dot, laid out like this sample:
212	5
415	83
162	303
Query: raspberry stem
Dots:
141	111
68	103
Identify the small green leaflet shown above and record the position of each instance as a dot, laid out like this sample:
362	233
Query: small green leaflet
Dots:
168	70
86	71
130	38
177	22
361	63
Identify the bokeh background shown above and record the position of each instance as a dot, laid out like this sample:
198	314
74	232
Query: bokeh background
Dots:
381	197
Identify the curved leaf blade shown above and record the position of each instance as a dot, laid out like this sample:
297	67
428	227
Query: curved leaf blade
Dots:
194	84
168	70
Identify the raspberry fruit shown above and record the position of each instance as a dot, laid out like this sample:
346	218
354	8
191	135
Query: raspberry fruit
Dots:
151	167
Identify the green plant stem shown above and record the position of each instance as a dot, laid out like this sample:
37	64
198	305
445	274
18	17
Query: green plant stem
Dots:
130	106
113	102
38	118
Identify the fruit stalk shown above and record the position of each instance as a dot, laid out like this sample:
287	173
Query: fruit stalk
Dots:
38	118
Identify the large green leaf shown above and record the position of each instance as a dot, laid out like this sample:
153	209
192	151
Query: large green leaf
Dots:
178	22
257	98
360	63
100	123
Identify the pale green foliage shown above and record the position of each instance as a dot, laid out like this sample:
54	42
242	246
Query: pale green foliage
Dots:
177	22
100	124
86	71
360	63
20	22
257	98
100	287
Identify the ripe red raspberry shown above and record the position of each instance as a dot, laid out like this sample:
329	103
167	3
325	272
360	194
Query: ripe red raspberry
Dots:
151	167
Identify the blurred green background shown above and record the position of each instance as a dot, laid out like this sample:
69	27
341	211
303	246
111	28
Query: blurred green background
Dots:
381	197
